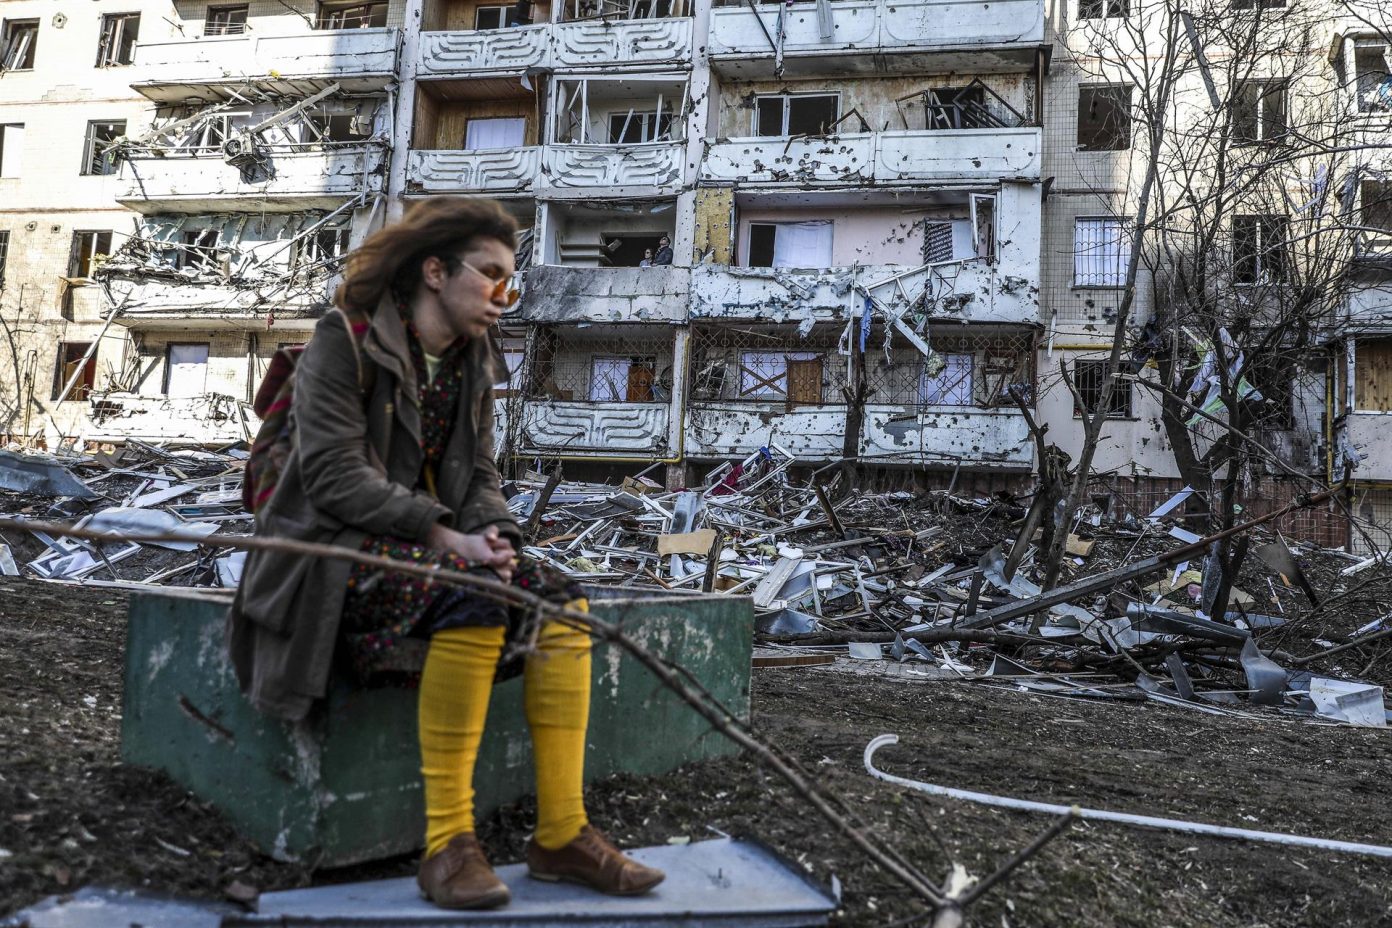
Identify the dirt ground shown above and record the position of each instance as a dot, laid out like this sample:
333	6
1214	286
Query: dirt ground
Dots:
71	814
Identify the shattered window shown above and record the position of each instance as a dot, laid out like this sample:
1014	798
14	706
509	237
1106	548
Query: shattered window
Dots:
88	250
957	108
1103	9
1259	249
199	251
339	15
320	247
18	43
1104	117
118	37
1372	80
74	362
4	254
795	114
226	20
98	156
631	128
1100	249
951	386
1259	111
1088	378
623	380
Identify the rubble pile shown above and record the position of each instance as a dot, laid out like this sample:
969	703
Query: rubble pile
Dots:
913	586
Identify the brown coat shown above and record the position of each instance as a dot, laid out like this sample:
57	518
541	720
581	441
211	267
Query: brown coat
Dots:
351	473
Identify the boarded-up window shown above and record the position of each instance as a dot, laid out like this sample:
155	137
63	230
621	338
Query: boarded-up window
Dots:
1372	373
71	356
804	381
765	375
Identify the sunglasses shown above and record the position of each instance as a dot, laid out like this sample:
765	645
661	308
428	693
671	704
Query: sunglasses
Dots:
501	286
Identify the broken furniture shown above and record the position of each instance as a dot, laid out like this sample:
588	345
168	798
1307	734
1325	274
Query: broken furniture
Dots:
344	786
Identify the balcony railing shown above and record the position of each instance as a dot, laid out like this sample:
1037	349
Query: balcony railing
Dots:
556	294
860	159
288	179
498	171
973	290
156	303
558	46
608	429
650	164
896	434
739	44
362	59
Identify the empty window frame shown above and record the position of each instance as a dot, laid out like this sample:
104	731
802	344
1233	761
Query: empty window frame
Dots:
4	254
199	249
495	133
1089	378
794	377
789	244
1259	249
951	385
347	127
796	113
186	369
1372	75
320	247
1103	9
1259	111
119	33
226	20
19	41
11	149
623	379
88	249
491	17
98	157
1104	117
632	128
72	358
1375	208
1100	252
351	15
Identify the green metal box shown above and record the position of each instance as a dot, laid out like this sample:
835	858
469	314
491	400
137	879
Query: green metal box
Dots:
344	785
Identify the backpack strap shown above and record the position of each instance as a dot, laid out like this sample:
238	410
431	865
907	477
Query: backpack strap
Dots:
357	331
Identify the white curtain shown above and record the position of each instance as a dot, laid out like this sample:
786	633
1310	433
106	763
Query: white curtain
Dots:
609	380
953	384
188	370
802	244
495	133
11	149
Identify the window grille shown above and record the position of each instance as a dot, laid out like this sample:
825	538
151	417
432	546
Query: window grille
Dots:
1100	252
1089	378
624	365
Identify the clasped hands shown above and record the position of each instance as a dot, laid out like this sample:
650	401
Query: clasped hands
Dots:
487	548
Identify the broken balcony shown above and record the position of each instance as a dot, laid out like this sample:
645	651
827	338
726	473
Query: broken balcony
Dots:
463	38
624	132
555	294
359	60
753	386
598	392
875	36
271	177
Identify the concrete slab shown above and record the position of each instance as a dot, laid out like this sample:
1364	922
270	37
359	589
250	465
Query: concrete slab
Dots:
720	882
95	907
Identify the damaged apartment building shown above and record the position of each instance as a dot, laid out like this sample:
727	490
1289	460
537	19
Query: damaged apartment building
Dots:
746	224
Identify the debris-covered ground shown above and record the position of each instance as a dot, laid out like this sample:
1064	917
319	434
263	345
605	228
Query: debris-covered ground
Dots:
73	815
1126	696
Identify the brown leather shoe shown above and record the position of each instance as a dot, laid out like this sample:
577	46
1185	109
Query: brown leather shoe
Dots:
460	877
591	860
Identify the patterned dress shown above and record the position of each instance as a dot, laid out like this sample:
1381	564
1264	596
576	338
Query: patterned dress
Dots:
388	617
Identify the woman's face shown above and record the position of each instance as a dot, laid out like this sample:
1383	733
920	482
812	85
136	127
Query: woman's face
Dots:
467	298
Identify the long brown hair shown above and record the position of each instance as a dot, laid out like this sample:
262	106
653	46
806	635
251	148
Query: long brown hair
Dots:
390	259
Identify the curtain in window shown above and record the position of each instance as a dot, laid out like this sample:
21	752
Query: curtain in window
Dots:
953	384
495	133
802	244
609	380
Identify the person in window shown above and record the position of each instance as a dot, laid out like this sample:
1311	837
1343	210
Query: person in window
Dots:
664	251
647	258
520	14
391	453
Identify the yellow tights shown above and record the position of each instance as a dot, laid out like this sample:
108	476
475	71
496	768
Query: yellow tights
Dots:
454	691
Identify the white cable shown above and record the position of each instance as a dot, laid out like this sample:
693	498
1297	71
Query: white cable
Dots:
1123	818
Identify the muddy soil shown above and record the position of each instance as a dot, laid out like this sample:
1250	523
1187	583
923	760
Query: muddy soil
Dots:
71	814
